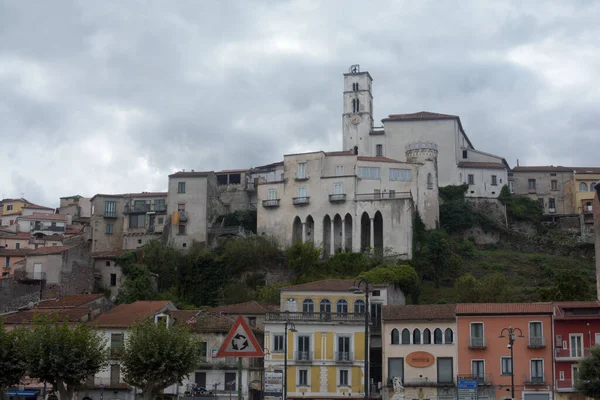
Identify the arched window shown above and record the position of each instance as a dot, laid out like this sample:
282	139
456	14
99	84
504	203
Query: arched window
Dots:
395	336
583	187
437	336
291	305
416	336
308	306
342	306
405	336
325	306
360	307
448	336
592	186
429	181
426	336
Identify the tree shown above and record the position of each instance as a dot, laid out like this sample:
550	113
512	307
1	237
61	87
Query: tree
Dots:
492	288
157	356
402	276
139	285
568	286
303	259
12	364
468	289
588	382
63	355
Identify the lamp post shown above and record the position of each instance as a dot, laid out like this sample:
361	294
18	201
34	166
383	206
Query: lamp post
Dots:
511	340
356	289
292	328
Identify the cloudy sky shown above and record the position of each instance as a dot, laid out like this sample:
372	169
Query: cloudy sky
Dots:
111	96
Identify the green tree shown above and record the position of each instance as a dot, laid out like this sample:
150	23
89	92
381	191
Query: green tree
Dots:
468	289
303	259
157	356
162	260
139	284
201	278
12	364
402	276
492	288
568	286
588	382
63	355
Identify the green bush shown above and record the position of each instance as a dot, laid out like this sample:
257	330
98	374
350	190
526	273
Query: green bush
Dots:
402	276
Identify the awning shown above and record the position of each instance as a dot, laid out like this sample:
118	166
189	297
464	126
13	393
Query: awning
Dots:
256	385
25	393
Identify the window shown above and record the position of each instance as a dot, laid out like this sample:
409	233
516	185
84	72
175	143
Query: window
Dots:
583	187
161	220
181	187
574	374
531	185
137	220
339	170
272	194
379	150
395	336
302	192
369	173
344	377
355	105
511	186
301	170
437	336
181	230
9	207
325	306
554	184
355	87
506	366
230	381
426	336
110	208
429	181
576	342
203	350
200	379
278	344
471	179
477	334
181	207
375	313
405	336
291	305
302	377
537	371
377	193
392	194
252	321
109	229
360	306
478	369
464	154
308	306
552	204
592	186
115	373
159	205
303	348
395	369
116	341
113	280
342	306
561	376
397	174
343	348
494	180
338	188
416	336
445	373
18	246
448	336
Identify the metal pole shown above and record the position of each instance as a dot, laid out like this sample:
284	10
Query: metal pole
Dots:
285	357
239	378
367	383
512	370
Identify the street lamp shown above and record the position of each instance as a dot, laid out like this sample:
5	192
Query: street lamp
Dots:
292	328
511	340
356	289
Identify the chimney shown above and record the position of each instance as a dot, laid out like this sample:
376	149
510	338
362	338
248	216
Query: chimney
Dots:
355	150
517	162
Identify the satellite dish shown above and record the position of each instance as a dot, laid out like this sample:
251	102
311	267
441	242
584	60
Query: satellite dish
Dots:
30	305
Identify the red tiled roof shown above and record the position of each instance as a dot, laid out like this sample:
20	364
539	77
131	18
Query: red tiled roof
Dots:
26	316
561	308
125	315
378	159
541	168
231	171
141	194
473	164
421	115
328	285
249	307
183	316
37	207
16	235
340	153
14	252
419	312
44	251
206	322
71	300
190	174
48	217
586	170
503	308
110	254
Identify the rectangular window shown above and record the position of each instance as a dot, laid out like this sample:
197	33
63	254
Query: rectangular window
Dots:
161	220
537	370
230	381
554	184
511	186
379	150
552	204
203	350
338	188
343	377
303	348
181	230
471	179
116	340
531	185
339	170
137	220
272	194
494	180
369	173
301	170
464	154
181	207
139	205
9	207
301	192
444	370
113	280
302	377
18	246
200	379
109	229
110	208
395	369
277	343
344	348
561	376
506	365
478	369
181	187
159	205
574	374
576	342
115	374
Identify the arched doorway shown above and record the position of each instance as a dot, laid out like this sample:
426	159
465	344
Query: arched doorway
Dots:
297	231
378	231
326	235
348	232
337	232
310	230
365	232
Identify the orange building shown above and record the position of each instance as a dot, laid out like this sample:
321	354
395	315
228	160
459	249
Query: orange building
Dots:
486	355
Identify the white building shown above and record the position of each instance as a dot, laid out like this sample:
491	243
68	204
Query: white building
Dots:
458	161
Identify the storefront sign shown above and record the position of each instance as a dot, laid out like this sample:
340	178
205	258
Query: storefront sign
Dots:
420	359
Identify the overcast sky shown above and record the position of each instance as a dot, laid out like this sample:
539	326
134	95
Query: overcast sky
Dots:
112	96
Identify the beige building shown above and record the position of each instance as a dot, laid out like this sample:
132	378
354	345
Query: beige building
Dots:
419	348
551	185
108	274
596	206
341	201
77	206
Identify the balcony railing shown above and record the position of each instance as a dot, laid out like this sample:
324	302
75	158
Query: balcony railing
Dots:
344	356
110	214
537	342
477	343
300	201
48	228
382	196
534	379
567	385
303	356
271	203
485	379
571	354
316	317
37	241
337	198
425	382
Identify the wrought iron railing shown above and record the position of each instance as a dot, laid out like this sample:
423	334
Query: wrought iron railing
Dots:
315	316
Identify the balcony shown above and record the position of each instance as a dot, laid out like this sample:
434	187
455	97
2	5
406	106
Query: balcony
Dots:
183	217
110	214
316	317
337	198
28	276
48	228
33	240
485	379
425	382
477	343
137	208
573	354
382	196
151	229
115	353
344	356
534	380
537	342
306	356
300	201
271	203
565	386
300	178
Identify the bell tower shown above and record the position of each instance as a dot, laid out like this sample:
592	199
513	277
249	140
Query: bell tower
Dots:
357	119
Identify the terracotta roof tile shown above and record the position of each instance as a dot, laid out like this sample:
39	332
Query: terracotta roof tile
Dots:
44	251
183	316
541	168
37	207
419	312
249	307
47	217
378	159
110	254
26	316
190	174
206	322
129	195
586	170
16	235
125	315
328	285
503	308
69	301
489	165
14	252
422	115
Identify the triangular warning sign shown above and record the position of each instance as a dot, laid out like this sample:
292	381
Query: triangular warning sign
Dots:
240	342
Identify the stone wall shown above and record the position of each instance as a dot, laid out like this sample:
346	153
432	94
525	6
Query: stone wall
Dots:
14	295
493	208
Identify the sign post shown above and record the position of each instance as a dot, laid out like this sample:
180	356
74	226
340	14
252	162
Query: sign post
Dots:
467	387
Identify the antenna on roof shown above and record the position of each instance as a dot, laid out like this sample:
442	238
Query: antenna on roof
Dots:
517	162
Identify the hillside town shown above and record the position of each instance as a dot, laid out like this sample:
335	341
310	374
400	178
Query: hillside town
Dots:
324	339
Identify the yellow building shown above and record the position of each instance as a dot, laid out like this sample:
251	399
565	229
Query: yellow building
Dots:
585	181
10	209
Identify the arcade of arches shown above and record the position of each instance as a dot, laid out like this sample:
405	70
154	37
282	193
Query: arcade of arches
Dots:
338	232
